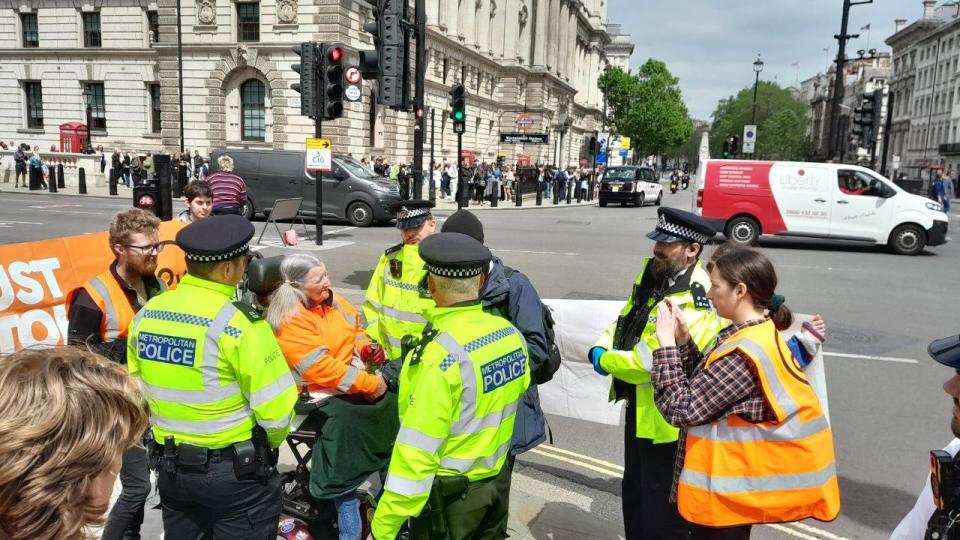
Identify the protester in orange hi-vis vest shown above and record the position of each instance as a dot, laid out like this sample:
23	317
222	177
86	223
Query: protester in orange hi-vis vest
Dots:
99	314
757	446
320	333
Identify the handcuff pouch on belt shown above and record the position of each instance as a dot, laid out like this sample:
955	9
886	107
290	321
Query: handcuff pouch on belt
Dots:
444	488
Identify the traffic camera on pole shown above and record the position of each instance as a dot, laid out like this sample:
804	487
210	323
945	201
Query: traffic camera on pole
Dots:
387	61
308	69
458	108
331	77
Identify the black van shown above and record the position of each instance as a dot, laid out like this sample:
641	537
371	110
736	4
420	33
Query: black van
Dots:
350	191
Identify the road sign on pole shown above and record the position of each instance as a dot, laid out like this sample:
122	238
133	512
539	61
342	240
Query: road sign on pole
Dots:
319	155
749	138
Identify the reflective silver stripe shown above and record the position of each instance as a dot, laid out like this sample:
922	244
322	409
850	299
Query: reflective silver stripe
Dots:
743	484
112	323
137	318
788	431
374	305
210	370
394	342
279	423
193	397
467	465
400	315
388	280
468	397
780	393
310	359
271	391
407	487
348	379
207	426
420	440
472	425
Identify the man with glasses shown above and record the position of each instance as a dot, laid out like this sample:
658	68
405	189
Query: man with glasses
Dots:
98	316
221	394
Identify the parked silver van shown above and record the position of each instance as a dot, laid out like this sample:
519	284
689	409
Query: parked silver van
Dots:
351	191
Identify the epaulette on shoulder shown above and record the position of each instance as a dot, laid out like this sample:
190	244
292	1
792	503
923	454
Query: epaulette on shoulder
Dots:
251	313
393	249
699	294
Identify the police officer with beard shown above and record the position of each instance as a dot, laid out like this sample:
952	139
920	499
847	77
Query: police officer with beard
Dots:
625	351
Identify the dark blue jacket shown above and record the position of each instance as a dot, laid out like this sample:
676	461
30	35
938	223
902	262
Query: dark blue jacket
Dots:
516	300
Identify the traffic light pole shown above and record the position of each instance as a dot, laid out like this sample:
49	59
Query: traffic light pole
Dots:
834	140
433	128
419	132
462	189
318	133
886	134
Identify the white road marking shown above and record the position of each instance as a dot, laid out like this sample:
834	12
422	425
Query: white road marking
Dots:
340	230
46	206
814	530
6	222
877	358
787	530
533	252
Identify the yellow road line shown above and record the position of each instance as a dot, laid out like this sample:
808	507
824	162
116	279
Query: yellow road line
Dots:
594	468
819	532
787	530
613	466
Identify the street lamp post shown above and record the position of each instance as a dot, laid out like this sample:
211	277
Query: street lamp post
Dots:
757	68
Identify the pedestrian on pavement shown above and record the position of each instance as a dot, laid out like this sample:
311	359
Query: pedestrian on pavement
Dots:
397	294
625	351
136	168
451	429
216	433
68	416
936	188
229	190
116	165
149	169
509	180
948	192
509	293
403	179
741	407
20	164
98	317
36	167
127	170
103	158
920	521
199	198
197	164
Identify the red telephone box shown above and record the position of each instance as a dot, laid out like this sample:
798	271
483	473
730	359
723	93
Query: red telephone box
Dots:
73	137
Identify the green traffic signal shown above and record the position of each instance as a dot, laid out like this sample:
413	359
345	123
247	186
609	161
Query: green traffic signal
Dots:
458	115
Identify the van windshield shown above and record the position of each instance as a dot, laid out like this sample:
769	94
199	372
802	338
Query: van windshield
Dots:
621	174
355	168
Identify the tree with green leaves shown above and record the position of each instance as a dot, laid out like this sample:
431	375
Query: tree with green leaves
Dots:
781	123
647	107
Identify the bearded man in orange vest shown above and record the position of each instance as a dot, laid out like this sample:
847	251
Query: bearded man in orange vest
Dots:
99	314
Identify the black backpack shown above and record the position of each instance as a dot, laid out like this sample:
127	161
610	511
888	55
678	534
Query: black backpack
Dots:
552	363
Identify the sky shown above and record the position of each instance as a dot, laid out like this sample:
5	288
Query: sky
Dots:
711	44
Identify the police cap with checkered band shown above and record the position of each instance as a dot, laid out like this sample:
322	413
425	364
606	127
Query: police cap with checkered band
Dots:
217	238
411	214
680	226
454	255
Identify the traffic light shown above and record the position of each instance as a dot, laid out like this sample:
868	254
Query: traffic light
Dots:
864	119
727	147
593	146
387	61
458	108
735	145
307	87
331	79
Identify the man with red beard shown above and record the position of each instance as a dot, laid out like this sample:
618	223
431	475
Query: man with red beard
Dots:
99	314
625	351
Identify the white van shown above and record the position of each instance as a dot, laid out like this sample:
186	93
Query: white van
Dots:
747	199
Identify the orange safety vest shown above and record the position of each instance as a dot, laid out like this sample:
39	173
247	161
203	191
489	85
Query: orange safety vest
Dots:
110	297
319	345
738	473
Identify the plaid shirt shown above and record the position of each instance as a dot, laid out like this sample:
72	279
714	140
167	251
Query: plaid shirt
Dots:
687	395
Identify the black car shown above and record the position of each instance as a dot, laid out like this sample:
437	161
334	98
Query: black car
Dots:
630	184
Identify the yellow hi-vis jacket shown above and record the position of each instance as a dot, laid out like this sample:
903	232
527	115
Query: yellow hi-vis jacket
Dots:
458	400
396	298
210	367
737	473
634	366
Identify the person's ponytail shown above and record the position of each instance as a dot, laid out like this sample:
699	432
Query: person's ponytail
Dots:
780	314
285	300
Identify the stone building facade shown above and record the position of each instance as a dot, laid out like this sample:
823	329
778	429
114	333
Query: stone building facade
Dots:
539	58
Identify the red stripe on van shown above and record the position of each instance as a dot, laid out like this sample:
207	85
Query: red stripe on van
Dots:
733	188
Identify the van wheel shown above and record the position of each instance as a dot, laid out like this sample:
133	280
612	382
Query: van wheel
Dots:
659	198
359	214
248	210
603	204
743	230
908	239
641	201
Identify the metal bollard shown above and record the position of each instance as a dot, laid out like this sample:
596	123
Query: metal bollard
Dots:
52	180
539	192
579	195
518	188
181	182
494	193
60	177
83	181
113	181
34	179
569	194
556	193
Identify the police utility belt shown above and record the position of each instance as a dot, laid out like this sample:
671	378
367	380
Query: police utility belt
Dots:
252	459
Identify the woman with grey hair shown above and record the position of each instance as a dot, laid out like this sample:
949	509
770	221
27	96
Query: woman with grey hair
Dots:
321	335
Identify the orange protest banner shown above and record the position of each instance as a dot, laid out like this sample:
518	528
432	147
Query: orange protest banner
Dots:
35	278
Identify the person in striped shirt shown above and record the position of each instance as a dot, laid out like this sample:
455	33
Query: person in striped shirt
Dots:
229	190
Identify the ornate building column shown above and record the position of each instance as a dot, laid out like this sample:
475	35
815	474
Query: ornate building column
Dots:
539	31
563	33
553	34
483	26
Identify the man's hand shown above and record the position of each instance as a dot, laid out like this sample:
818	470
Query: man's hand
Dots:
595	354
380	391
819	325
372	354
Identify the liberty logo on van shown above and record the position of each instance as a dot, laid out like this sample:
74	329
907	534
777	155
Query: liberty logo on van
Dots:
799	181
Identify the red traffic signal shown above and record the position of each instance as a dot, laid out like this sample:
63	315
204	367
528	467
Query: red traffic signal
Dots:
335	54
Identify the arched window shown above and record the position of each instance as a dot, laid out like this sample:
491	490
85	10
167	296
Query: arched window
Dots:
253	111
